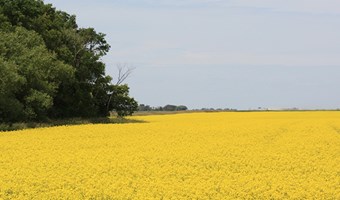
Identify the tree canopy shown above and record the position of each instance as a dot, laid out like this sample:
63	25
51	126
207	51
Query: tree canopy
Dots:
51	68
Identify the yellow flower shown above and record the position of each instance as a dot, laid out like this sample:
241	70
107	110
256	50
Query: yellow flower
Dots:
264	155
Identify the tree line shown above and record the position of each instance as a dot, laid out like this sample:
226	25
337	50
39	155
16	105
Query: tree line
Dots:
143	107
51	68
169	107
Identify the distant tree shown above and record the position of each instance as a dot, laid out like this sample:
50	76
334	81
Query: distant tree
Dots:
159	108
143	107
170	108
181	108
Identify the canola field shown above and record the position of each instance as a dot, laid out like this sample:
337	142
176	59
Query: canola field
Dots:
250	155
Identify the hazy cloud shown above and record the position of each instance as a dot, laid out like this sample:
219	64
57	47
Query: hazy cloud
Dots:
310	6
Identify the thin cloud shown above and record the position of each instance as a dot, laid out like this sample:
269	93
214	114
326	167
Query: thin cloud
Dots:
303	6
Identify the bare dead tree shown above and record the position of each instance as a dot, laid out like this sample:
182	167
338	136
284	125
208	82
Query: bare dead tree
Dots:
124	71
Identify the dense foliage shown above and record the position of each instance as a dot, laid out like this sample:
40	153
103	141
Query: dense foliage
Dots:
50	68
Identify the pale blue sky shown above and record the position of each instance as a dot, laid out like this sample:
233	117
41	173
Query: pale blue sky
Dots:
222	53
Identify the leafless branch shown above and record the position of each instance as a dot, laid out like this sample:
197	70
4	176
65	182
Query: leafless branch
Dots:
124	71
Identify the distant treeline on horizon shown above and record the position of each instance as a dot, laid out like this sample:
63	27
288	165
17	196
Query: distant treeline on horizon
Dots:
169	107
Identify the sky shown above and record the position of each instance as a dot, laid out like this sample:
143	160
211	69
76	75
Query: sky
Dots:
240	54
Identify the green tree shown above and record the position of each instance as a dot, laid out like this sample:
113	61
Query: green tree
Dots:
36	71
10	84
181	107
121	102
59	62
143	107
170	108
91	81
